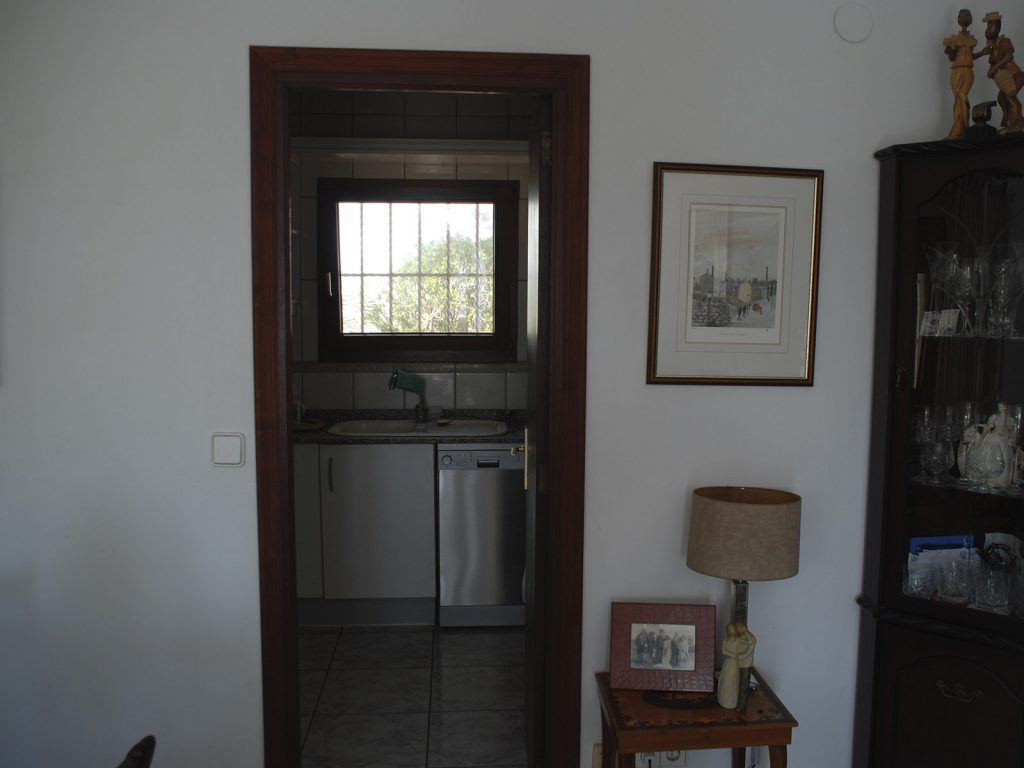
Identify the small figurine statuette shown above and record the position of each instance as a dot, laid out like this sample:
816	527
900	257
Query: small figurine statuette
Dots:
744	661
959	49
1004	73
737	659
729	677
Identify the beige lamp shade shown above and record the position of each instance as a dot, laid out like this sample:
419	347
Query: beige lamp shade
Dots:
744	534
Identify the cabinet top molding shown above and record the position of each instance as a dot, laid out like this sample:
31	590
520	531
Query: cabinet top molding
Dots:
949	146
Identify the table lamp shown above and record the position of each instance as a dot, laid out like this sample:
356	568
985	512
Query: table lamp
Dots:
744	534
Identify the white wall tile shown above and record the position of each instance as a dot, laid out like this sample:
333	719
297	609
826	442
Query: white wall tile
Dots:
515	390
371	391
314	169
519	170
522	351
480	389
524	239
440	391
308	338
432	167
378	167
482	168
306	224
327	389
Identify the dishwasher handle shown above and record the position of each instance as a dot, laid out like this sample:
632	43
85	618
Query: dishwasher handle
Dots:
487	464
525	450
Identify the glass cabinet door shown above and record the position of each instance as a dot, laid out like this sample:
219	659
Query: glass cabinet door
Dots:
959	480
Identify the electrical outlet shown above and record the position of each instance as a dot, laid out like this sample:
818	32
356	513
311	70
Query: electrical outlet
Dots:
673	759
598	756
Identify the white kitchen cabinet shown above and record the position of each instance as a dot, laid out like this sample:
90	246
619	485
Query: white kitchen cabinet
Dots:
308	558
377	506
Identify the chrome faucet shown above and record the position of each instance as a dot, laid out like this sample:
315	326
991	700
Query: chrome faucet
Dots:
417	385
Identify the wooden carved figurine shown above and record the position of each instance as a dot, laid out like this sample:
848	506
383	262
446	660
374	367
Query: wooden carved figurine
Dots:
1004	72
959	49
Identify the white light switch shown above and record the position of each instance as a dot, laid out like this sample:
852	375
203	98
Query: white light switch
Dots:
228	449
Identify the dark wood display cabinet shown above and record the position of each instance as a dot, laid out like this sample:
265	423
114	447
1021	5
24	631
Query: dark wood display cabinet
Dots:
944	584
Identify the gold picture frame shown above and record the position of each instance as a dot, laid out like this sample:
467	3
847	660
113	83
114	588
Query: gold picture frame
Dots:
734	275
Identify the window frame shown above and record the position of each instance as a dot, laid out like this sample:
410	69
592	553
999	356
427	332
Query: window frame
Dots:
335	346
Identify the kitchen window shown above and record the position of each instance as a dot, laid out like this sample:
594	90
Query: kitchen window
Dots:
417	270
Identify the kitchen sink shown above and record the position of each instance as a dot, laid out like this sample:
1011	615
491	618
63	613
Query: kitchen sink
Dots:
409	428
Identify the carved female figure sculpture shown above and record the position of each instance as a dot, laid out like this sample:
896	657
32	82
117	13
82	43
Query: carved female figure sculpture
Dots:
729	677
959	49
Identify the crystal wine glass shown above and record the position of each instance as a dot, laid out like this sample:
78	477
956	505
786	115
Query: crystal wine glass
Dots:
967	285
936	458
1005	291
924	430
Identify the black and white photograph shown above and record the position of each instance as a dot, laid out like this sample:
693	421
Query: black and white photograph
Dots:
662	646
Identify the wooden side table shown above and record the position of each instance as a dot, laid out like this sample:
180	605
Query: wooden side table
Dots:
661	721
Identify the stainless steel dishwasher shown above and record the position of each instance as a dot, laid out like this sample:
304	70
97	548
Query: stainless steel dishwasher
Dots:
481	534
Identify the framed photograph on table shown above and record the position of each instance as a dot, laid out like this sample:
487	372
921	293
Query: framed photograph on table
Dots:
734	275
662	647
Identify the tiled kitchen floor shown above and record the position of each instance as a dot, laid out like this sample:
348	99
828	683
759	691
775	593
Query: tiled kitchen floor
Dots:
412	697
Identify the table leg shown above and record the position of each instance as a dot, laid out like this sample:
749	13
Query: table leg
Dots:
777	756
739	755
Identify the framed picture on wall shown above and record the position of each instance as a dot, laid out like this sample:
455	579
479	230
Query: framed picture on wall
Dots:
734	275
663	647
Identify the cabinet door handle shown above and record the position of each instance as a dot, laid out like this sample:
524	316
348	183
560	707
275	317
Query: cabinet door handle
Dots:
959	692
330	474
330	283
901	375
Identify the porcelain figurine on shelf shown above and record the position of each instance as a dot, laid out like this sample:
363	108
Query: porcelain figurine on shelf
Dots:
1004	73
993	452
959	49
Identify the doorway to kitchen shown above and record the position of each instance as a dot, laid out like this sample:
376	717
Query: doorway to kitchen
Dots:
557	370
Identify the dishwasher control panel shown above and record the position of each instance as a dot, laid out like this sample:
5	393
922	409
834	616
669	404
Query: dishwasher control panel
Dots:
489	457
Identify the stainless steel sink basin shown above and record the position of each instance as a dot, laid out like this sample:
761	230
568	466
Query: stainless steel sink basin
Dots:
409	428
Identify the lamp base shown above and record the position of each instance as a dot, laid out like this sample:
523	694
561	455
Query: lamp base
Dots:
739	616
739	601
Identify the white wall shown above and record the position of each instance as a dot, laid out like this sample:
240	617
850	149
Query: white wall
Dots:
128	565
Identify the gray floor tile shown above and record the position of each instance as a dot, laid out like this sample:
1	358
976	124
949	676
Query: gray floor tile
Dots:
384	649
464	739
375	690
310	683
316	646
475	647
366	741
471	688
371	707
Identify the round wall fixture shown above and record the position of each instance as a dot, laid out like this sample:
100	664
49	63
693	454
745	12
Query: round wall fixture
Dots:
853	22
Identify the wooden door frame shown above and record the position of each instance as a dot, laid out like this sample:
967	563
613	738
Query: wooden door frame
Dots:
565	80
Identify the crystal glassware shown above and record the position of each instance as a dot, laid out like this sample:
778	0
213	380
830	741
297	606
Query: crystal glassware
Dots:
967	284
1005	290
968	433
924	430
936	458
